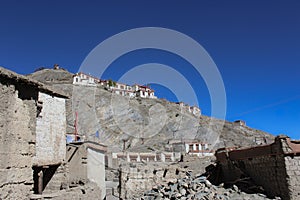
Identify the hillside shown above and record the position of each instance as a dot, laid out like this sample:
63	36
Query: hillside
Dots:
140	124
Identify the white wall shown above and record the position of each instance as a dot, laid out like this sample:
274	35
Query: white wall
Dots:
96	169
50	131
84	80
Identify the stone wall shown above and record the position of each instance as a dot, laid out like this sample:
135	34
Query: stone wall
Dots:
269	172
17	114
276	167
293	171
22	103
136	178
50	131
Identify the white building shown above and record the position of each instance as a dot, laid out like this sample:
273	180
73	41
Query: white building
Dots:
191	109
195	110
123	89
144	91
115	87
198	148
85	79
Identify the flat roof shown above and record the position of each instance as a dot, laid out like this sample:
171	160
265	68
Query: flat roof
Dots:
20	79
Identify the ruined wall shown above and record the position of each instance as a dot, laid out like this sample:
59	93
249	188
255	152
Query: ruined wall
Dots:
50	131
17	122
268	171
276	167
136	178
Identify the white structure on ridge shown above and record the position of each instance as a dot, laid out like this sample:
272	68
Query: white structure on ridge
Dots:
144	91
84	79
115	87
192	109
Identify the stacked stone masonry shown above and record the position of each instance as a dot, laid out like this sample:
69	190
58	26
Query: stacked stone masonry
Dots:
17	143
26	146
136	178
276	167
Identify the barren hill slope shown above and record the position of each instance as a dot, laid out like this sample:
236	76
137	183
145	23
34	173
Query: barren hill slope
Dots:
51	76
142	124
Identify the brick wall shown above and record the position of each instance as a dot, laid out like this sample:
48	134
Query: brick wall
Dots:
269	172
276	167
293	171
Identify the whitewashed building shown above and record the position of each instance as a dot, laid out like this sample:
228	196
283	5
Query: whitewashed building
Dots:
123	89
115	87
198	148
191	109
85	79
144	91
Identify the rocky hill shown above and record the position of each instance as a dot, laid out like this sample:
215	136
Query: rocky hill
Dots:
140	124
51	76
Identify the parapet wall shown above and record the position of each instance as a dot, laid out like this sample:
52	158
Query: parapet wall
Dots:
147	157
276	167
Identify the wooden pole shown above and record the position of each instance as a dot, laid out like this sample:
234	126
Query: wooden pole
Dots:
40	181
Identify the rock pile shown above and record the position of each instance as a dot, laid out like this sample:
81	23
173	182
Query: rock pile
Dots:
197	187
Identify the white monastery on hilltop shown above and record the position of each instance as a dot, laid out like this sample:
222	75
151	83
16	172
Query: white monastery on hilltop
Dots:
127	90
115	87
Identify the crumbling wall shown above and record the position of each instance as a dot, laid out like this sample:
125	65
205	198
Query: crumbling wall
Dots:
136	178
50	131
276	167
17	122
269	172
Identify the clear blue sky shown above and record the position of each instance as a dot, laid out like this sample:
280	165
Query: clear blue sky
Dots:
255	44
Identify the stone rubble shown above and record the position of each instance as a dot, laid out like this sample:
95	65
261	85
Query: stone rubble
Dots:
197	187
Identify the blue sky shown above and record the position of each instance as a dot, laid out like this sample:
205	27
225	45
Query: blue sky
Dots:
255	45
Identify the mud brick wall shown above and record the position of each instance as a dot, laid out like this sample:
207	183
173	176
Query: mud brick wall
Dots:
293	171
17	139
276	167
268	171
